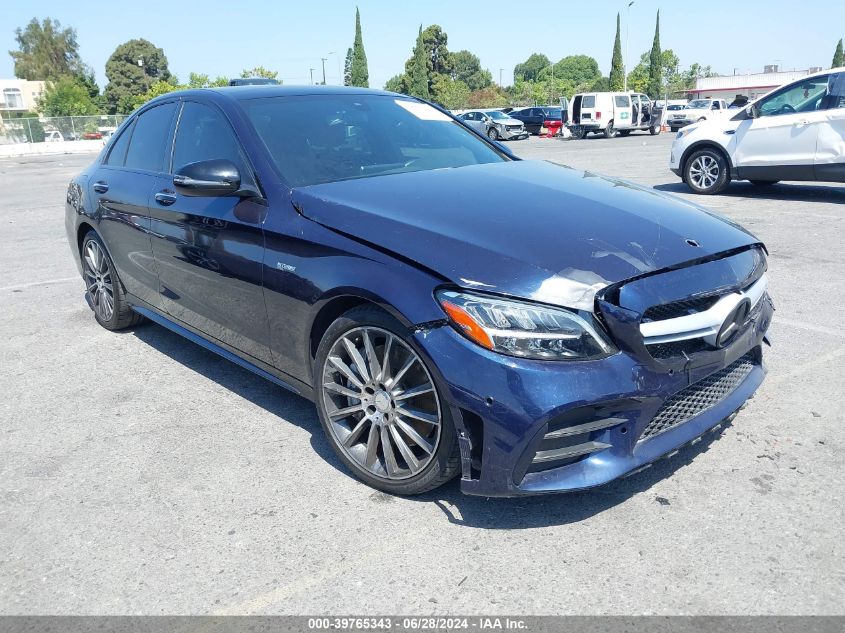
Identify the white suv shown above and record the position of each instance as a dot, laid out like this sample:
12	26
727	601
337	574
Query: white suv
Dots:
793	133
696	111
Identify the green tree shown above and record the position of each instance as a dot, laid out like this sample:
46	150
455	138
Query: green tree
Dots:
838	56
46	51
347	68
617	69
359	75
418	73
397	83
602	84
259	71
639	77
466	68
577	69
452	94
655	65
132	69
200	80
66	96
529	70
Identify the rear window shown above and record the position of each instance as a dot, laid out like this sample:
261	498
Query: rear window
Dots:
588	101
553	113
147	146
315	139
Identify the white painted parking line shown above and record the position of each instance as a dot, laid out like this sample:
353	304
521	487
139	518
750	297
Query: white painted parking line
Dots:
47	282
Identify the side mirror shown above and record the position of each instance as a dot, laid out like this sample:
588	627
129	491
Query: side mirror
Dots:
210	178
751	112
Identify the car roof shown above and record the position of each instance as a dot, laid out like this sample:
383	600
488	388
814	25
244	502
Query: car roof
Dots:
242	93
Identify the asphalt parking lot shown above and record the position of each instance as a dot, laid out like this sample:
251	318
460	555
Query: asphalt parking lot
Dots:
141	474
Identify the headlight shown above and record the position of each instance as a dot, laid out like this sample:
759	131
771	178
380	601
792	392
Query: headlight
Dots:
685	130
523	329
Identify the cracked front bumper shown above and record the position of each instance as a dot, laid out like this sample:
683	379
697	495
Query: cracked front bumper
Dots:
514	402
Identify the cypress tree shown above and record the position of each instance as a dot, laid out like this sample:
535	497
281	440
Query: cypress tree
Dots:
655	64
838	56
359	76
419	70
347	68
617	70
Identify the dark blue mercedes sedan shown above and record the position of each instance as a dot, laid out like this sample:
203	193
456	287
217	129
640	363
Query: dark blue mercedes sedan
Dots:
448	307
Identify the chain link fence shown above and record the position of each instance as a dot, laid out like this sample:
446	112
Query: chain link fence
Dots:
58	129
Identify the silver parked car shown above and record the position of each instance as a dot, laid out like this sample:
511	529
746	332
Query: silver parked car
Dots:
495	124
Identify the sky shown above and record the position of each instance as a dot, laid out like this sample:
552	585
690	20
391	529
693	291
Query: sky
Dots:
291	37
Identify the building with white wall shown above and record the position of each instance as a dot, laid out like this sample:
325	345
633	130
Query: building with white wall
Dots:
750	85
19	95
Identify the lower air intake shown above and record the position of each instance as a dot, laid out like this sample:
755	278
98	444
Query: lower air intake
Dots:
697	398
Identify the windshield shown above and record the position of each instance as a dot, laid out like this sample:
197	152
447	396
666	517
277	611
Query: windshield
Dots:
698	103
675	107
495	114
315	139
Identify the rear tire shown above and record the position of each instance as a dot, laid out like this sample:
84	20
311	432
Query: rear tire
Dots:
104	290
364	404
706	172
609	131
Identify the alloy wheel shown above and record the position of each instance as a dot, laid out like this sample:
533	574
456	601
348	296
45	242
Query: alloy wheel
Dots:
704	171
381	404
98	279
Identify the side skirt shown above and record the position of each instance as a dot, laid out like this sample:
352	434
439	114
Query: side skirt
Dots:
155	317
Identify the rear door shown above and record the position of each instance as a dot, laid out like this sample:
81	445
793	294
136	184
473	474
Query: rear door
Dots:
588	109
121	187
623	115
209	250
780	143
830	147
475	121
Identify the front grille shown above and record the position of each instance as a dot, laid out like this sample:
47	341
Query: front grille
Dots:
679	308
676	349
696	399
514	128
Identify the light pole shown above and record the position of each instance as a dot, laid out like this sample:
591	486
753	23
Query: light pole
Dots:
625	61
312	76
323	59
500	77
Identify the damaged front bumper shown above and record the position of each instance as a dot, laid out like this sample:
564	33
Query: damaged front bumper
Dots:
531	427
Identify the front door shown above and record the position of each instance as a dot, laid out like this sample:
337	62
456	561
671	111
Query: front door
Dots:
209	250
780	142
830	148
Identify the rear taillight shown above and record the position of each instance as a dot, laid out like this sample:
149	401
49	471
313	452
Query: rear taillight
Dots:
598	115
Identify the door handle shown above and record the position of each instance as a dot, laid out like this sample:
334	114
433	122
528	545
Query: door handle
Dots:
802	123
165	198
100	187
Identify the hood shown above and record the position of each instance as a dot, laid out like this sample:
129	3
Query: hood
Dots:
530	229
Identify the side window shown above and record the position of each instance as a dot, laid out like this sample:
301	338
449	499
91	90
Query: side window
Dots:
622	102
117	153
205	134
802	96
835	92
149	140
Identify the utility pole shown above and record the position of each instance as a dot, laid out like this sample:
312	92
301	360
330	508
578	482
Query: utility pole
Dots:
625	61
312	76
500	77
324	69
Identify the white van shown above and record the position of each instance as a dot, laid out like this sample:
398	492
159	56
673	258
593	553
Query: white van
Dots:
612	113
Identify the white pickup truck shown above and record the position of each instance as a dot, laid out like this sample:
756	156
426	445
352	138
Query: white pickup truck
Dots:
695	111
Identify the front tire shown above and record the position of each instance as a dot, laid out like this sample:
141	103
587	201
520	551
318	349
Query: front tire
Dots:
654	130
102	286
380	407
493	134
706	172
